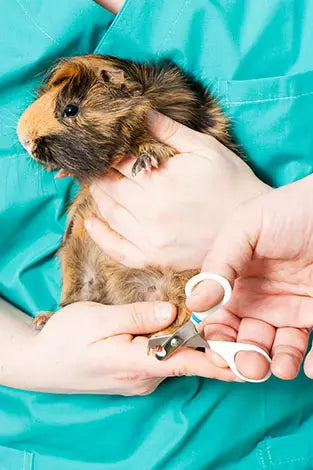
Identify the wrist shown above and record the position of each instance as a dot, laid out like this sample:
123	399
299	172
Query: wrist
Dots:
16	359
16	339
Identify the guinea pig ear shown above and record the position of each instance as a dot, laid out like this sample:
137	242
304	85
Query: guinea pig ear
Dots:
115	76
62	72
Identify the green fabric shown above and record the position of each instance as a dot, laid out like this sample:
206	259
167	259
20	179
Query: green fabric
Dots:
258	59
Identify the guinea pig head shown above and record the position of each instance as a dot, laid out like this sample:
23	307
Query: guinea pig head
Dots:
85	117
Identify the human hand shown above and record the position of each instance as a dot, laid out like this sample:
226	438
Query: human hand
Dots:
90	348
112	5
170	216
266	251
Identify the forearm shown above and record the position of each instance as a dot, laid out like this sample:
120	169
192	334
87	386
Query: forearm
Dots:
16	335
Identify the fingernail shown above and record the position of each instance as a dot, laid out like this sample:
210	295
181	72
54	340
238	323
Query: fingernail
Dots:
151	117
196	291
163	312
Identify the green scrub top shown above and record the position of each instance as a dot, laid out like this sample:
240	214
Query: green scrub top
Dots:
257	58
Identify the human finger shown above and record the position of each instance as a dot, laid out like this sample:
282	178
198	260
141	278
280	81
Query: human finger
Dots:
229	255
250	363
287	352
119	218
185	362
220	326
134	319
268	300
175	134
113	244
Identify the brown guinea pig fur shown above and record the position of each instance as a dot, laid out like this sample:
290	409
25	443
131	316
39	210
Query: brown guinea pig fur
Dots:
90	113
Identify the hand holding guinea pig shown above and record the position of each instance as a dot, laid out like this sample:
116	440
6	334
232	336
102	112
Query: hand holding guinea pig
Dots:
99	356
171	216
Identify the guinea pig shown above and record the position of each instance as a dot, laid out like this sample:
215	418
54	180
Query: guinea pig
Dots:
89	115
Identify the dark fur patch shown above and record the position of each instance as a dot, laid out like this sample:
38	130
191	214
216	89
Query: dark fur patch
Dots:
84	160
74	91
110	121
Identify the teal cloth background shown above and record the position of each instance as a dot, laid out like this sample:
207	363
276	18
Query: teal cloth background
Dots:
257	57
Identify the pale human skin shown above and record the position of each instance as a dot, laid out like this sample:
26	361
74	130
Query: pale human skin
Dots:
90	348
266	251
250	317
169	217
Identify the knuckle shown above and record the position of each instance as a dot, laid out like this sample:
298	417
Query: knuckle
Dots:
137	317
180	371
306	331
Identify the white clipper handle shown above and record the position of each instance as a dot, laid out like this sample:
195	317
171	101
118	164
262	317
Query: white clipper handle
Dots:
226	349
199	316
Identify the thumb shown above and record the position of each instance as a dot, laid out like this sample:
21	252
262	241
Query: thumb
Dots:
140	318
173	133
229	255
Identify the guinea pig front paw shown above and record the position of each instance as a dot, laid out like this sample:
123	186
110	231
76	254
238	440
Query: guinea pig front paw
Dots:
145	161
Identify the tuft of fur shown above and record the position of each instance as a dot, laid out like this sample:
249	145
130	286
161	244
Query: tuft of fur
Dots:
113	96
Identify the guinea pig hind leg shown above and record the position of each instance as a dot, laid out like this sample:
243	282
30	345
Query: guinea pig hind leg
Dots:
151	156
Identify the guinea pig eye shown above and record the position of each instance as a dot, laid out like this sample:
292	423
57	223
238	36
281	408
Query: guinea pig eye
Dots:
70	110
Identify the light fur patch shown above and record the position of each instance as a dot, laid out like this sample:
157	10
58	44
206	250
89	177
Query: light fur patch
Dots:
38	120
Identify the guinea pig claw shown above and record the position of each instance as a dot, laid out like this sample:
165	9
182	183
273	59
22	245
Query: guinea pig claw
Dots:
154	162
145	161
62	174
41	319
